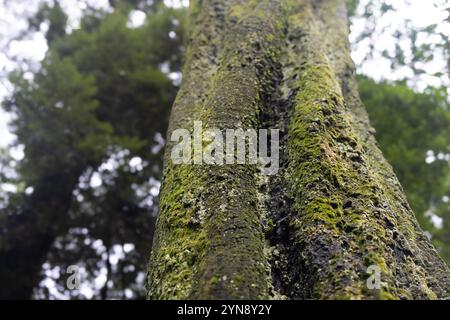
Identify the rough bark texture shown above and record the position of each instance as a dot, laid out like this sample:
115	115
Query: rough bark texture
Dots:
335	207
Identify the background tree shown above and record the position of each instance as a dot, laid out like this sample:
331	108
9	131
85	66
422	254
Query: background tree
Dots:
413	130
96	108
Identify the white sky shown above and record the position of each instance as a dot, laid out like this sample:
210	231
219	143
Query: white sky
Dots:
421	14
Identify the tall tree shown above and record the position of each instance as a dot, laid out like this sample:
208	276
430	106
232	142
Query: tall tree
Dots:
100	96
413	130
334	209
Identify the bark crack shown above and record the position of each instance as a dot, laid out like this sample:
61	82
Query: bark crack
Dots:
276	110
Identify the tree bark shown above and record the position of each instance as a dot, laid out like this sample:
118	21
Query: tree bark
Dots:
334	209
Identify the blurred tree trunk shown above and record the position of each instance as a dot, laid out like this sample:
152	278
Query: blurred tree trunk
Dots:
29	230
335	214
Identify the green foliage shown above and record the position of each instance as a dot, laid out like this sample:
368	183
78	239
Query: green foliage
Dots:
103	92
412	128
60	100
54	16
352	5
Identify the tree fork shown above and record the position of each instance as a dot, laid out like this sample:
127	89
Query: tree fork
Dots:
334	209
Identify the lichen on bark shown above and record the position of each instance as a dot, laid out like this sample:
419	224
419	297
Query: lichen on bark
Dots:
335	207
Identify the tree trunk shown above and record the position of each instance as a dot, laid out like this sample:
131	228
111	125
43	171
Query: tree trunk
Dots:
28	231
335	210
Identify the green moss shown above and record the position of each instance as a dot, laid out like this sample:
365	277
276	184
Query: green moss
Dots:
180	244
237	11
320	209
238	279
219	262
214	280
324	154
386	295
195	7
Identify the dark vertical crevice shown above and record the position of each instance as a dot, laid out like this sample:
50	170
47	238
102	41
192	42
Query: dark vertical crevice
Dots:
277	104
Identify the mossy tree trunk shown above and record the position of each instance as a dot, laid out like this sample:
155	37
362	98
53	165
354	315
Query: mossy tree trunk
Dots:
334	209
